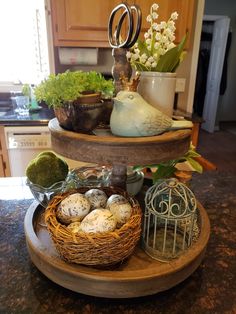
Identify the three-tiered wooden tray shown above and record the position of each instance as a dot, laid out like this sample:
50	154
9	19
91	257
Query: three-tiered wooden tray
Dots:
140	275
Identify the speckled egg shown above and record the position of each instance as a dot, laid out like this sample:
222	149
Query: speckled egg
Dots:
122	212
74	226
73	208
99	220
116	198
97	198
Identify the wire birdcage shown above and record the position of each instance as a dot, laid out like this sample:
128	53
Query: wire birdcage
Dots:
170	220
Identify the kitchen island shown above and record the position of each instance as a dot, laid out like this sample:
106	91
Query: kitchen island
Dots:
210	289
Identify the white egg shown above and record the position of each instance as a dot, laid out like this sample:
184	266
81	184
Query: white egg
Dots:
122	212
74	226
99	220
73	208
116	198
97	198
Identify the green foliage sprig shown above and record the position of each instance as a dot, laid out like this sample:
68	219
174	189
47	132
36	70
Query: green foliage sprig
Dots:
68	86
168	168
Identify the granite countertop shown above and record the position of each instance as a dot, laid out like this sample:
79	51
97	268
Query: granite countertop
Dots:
38	117
210	289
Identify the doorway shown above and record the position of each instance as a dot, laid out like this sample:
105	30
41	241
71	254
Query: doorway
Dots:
214	36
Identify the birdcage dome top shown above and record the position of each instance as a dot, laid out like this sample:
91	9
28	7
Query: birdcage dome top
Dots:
170	198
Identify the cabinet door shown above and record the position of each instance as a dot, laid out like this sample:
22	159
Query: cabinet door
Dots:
184	8
81	23
4	161
2	167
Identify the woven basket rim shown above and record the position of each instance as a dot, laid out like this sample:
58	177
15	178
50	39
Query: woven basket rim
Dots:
95	249
51	209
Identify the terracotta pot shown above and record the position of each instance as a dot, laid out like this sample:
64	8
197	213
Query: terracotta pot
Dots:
82	115
89	97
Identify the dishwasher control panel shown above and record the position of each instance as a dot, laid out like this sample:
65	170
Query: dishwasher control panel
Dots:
21	142
31	138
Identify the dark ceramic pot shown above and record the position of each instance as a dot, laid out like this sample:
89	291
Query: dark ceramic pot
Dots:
83	115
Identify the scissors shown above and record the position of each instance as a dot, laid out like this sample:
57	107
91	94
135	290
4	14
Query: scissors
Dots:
133	33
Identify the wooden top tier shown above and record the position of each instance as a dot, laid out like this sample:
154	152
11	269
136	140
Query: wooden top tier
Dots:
119	150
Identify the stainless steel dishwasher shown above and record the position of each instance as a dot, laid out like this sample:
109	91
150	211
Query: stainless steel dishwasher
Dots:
26	142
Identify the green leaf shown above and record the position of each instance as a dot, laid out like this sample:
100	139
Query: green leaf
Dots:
196	166
192	153
163	172
142	47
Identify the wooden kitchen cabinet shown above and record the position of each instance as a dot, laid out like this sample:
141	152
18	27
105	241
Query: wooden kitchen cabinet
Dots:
4	162
84	23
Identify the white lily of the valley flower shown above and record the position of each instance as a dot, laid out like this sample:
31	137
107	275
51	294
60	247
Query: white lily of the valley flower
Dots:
168	32
151	59
163	24
155	26
154	15
143	58
149	18
155	6
158	39
154	64
174	16
171	25
135	57
158	36
164	39
172	38
162	51
128	54
170	46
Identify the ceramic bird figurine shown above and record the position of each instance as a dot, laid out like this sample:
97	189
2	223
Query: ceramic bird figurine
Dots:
132	116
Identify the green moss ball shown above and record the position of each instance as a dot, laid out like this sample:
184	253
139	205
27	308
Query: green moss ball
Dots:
46	169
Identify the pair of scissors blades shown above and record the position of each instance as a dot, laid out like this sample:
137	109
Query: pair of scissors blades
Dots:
132	12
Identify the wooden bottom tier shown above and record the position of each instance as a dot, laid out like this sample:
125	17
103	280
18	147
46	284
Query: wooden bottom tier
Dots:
139	276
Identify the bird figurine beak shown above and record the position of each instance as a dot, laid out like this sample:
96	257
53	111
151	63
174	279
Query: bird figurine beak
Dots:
117	99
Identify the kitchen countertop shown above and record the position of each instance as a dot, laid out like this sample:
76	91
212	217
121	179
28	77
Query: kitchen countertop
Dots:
210	289
38	118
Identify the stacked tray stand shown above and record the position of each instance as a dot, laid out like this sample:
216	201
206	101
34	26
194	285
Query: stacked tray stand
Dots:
140	275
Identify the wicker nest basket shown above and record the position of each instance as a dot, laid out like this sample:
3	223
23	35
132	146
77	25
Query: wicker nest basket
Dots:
94	249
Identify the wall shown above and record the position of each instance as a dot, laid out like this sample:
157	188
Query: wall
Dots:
227	104
188	68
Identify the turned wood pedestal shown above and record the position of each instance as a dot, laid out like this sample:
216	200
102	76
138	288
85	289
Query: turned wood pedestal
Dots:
119	151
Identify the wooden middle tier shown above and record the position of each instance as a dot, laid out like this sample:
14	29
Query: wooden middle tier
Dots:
119	150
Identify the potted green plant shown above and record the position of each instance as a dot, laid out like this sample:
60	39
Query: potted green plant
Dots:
157	57
77	98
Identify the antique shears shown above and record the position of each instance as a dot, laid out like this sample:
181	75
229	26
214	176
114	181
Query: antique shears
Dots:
134	19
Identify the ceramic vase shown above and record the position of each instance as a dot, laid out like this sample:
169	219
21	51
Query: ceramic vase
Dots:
158	89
